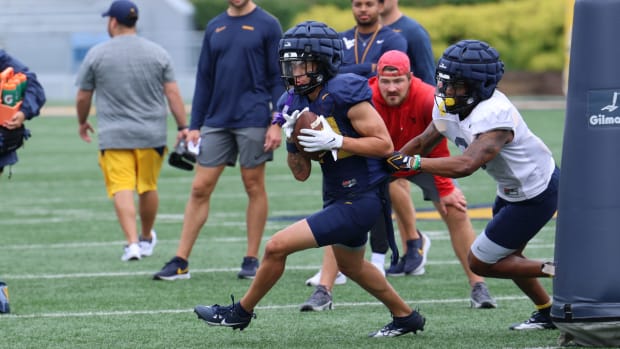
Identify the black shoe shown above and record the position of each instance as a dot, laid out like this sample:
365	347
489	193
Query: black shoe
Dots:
402	325
248	268
538	321
415	259
397	269
176	269
229	316
414	256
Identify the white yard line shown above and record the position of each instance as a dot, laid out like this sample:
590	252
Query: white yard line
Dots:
8	277
22	276
438	235
266	307
233	240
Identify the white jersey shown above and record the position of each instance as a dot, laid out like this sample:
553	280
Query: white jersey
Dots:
523	167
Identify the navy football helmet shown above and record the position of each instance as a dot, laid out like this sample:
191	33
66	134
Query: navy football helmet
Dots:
310	48
472	68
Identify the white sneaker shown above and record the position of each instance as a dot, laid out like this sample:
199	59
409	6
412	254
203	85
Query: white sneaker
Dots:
380	267
147	247
132	253
341	279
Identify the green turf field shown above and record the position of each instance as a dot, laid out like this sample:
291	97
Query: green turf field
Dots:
61	246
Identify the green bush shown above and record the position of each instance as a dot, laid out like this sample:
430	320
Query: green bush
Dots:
529	34
285	10
428	3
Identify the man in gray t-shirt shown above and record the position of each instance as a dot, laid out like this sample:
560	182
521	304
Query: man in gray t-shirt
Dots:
133	78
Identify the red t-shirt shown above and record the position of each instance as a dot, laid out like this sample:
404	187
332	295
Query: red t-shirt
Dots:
411	119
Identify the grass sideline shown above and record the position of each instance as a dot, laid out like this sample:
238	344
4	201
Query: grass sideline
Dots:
61	247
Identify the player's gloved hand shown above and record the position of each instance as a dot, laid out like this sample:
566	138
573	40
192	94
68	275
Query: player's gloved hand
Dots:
319	140
289	125
401	162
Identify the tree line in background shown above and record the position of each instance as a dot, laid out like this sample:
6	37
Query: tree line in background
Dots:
529	34
285	10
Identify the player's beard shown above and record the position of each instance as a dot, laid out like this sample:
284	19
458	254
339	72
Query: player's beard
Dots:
367	24
394	100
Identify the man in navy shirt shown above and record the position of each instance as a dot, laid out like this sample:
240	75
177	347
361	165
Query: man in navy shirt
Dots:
368	40
419	47
237	82
351	145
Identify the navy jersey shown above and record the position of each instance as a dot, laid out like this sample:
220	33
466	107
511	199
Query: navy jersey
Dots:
238	76
350	174
362	50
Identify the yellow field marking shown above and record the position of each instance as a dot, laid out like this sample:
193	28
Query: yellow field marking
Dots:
474	213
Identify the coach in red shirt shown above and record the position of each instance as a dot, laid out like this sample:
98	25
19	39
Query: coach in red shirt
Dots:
405	103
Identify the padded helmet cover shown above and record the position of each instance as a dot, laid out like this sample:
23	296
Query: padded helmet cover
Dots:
312	41
475	62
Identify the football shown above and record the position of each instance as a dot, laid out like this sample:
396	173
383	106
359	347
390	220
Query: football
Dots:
307	119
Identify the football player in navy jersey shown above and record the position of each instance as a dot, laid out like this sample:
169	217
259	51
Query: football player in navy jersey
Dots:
363	44
488	129
354	142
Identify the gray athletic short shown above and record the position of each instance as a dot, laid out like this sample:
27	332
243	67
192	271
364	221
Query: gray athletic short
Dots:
219	146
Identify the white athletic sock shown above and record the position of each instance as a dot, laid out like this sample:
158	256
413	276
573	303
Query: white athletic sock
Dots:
377	258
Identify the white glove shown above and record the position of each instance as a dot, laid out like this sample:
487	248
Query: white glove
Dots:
289	125
325	139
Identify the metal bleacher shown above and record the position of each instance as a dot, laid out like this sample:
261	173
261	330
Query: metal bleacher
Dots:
52	36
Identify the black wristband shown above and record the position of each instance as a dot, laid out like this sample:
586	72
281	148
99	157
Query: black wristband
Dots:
181	128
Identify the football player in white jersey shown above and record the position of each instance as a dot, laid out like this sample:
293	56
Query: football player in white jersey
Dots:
492	135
